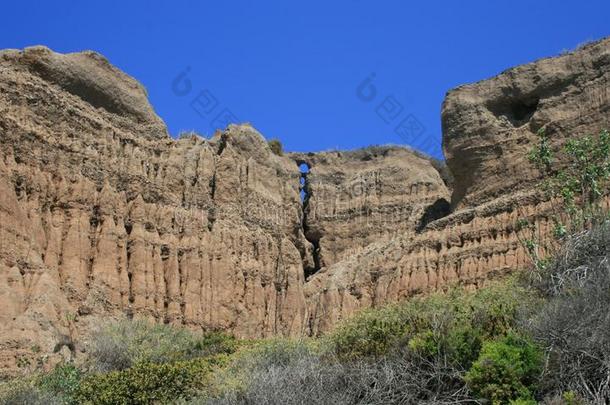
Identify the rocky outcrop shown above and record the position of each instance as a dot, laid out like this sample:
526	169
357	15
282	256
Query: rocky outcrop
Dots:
489	127
488	130
355	198
102	214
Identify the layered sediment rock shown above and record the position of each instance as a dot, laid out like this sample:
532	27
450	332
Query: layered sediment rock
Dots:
102	214
488	130
355	198
489	126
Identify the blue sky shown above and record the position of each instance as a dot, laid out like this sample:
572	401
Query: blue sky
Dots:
296	70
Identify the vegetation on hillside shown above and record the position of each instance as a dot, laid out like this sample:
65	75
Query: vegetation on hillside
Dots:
575	179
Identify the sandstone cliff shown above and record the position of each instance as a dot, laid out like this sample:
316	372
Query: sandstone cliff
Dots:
355	198
102	214
488	129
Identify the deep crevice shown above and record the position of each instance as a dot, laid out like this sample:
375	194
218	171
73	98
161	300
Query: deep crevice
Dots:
222	144
128	227
310	271
310	235
212	209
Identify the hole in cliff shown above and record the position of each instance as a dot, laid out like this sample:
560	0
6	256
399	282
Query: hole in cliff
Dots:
312	237
304	168
522	111
517	111
164	252
439	209
128	227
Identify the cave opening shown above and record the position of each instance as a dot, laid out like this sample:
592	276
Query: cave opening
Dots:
522	111
437	210
517	111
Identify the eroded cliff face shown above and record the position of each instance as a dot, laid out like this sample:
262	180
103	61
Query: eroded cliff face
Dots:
355	198
488	130
489	126
103	215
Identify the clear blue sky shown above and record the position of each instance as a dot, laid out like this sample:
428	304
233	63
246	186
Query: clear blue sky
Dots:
293	68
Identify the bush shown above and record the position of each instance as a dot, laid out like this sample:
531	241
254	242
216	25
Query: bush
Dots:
415	352
26	392
147	383
63	382
453	324
573	326
577	178
211	343
276	146
131	362
506	369
122	344
284	372
280	371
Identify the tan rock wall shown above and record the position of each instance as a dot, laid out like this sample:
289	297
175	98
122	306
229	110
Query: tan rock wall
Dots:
355	198
104	215
488	130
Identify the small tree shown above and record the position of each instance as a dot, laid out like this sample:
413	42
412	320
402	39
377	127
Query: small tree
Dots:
575	183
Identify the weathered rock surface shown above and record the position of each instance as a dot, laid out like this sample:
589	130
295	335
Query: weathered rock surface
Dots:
489	126
102	214
488	129
355	198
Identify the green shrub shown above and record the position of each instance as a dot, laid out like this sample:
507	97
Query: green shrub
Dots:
147	383
521	401
120	345
371	333
453	324
24	391
63	382
575	179
215	343
130	363
507	369
276	146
